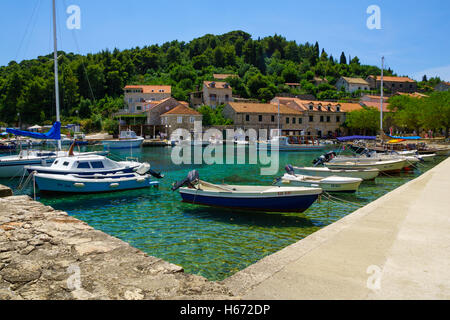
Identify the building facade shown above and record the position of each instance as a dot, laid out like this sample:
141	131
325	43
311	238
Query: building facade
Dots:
393	84
180	117
136	96
352	84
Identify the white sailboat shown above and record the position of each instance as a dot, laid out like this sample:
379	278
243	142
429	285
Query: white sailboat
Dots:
13	166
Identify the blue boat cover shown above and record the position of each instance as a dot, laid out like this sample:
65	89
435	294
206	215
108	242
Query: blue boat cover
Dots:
350	138
407	138
53	134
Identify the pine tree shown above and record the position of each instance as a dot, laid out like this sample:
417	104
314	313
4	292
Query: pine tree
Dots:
343	59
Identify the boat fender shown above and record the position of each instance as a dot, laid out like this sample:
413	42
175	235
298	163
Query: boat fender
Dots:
114	185
78	185
140	180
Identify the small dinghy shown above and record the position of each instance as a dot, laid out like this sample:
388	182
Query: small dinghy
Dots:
257	198
96	183
329	184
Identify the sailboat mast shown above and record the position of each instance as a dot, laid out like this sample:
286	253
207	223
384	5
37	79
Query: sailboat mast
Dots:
279	132
55	54
381	99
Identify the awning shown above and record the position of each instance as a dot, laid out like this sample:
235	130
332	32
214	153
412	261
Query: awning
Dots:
53	134
351	138
407	138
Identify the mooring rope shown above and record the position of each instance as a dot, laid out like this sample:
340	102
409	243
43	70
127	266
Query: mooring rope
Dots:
330	197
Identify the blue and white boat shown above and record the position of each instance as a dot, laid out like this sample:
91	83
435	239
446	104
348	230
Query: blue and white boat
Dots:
127	139
256	198
92	184
85	165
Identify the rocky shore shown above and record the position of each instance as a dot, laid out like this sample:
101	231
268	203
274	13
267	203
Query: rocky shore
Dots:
47	254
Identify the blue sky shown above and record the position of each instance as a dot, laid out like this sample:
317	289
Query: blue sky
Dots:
414	37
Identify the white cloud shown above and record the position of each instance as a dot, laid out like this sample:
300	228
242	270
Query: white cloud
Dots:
441	72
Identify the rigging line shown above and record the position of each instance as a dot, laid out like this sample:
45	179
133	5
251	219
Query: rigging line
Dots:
82	60
27	27
33	27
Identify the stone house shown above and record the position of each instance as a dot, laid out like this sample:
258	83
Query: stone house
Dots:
321	118
156	110
352	84
443	86
136	96
180	116
213	94
393	84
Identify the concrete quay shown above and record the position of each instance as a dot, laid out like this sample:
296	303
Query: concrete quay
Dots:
47	255
396	247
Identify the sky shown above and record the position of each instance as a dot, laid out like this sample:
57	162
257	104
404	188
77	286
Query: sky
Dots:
413	38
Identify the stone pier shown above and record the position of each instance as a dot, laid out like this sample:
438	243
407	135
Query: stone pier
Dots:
47	254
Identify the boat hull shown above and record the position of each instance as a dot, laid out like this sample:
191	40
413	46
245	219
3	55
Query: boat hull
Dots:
326	172
123	144
269	203
330	184
64	184
382	166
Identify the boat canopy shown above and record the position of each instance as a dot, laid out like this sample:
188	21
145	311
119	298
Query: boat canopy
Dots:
53	134
407	138
351	138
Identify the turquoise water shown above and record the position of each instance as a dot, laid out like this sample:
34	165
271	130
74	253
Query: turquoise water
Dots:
211	242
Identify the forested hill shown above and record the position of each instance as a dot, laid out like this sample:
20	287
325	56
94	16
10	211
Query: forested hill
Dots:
92	84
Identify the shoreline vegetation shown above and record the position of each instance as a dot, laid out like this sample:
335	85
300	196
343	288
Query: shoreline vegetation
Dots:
92	85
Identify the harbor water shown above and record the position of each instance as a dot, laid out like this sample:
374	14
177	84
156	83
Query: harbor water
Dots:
211	242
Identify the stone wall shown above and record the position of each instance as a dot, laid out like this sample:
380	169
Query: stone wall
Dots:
47	254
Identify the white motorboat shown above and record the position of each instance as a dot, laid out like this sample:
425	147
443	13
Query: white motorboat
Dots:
257	198
381	165
92	184
86	165
427	157
127	139
365	174
409	160
286	144
13	166
329	184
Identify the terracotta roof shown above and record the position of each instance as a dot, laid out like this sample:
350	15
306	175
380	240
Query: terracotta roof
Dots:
219	85
182	110
243	107
355	80
303	105
223	76
151	89
415	94
376	105
395	79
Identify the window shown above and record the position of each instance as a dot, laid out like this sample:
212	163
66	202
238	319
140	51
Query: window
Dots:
311	107
321	118
179	119
56	162
138	108
65	164
338	119
287	120
97	165
328	119
227	97
338	108
260	118
192	119
319	107
272	118
247	117
130	100
329	108
82	165
311	118
300	120
293	120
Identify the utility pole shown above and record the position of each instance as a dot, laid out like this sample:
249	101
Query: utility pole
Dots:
55	54
381	99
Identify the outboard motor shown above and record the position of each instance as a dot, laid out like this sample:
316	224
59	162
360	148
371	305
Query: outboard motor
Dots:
289	169
192	177
145	167
324	158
